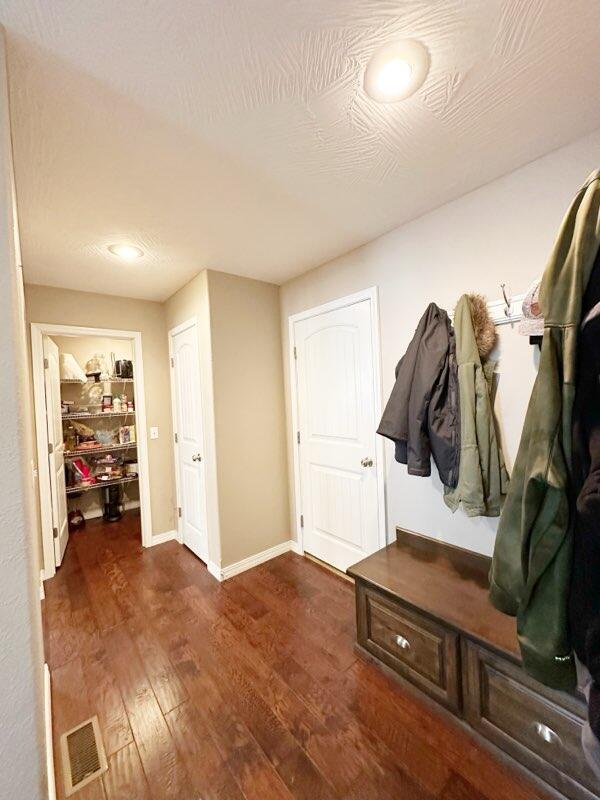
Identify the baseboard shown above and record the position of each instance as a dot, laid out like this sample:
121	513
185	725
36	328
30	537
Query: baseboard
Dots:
214	570
48	735
295	547
253	561
161	538
42	591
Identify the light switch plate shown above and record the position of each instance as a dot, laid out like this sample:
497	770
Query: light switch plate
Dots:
154	433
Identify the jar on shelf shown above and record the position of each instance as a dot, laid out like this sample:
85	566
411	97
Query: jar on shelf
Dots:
70	438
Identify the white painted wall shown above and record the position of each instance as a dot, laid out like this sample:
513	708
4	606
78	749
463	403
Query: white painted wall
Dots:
22	755
502	232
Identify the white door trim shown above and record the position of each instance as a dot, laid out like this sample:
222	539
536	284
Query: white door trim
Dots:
370	294
38	329
209	497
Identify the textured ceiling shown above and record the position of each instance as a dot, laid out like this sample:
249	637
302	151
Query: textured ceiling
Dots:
236	135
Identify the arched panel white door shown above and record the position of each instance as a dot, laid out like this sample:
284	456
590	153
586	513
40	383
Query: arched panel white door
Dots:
337	422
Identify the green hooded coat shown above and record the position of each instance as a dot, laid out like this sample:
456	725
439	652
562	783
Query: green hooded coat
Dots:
482	478
530	572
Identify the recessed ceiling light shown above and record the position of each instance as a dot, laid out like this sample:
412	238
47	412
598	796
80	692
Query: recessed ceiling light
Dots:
396	71
128	252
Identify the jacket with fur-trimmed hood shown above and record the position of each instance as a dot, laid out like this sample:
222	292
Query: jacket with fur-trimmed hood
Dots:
483	480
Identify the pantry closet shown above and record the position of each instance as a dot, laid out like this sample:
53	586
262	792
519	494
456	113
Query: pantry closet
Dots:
87	419
99	427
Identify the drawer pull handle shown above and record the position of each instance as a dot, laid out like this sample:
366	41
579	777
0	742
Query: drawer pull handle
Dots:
402	642
546	733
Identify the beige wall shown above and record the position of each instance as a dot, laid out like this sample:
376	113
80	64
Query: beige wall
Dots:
242	386
62	306
500	233
242	395
249	415
22	747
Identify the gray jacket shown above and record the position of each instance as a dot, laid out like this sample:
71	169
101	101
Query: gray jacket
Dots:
422	414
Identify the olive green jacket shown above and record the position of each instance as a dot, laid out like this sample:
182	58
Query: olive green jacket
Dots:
482	477
530	572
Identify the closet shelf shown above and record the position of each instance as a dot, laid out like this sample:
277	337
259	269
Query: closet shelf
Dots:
83	415
114	379
99	485
86	451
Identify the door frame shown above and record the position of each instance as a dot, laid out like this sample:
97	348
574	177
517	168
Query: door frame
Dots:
50	420
208	498
38	330
371	294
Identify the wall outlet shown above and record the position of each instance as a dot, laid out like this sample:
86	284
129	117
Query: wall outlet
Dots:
154	433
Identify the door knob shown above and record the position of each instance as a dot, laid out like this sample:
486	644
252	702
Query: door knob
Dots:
367	462
197	457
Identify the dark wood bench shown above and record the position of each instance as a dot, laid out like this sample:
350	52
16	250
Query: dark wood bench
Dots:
422	611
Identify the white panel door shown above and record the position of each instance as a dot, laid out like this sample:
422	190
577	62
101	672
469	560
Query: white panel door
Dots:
190	441
56	449
337	450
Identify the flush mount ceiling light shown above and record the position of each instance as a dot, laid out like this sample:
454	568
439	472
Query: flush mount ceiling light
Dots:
396	71
128	252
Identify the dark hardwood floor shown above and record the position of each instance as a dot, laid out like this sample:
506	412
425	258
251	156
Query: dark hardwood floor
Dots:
247	689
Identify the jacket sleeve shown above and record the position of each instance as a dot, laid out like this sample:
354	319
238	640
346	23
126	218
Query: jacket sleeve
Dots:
533	534
433	350
494	476
531	502
394	421
470	489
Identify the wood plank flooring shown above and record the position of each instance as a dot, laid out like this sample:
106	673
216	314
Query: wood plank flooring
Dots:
246	690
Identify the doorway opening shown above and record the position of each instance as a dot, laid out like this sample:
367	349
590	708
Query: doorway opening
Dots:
91	435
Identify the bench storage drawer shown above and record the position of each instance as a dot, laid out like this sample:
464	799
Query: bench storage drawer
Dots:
423	613
418	648
537	726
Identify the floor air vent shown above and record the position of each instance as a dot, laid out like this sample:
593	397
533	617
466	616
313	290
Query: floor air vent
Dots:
83	756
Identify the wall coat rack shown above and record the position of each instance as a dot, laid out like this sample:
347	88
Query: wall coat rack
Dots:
508	309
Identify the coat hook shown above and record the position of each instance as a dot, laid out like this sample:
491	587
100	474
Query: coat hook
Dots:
506	300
